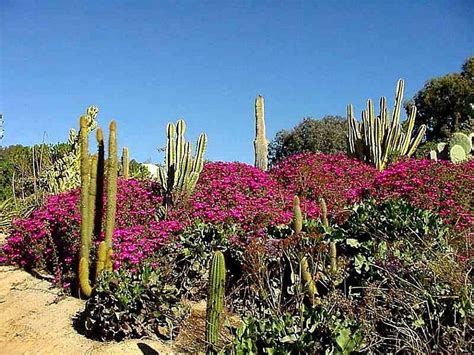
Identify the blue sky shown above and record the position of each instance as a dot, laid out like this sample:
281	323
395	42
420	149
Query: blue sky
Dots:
145	63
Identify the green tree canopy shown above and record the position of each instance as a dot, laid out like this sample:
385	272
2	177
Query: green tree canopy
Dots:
445	104
326	135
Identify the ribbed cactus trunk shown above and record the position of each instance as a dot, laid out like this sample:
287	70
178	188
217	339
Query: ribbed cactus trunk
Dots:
112	170
125	163
260	142
181	170
215	302
84	261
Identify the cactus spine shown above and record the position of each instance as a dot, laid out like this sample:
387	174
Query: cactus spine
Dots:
305	274
379	140
112	169
125	163
92	175
181	171
215	302
260	142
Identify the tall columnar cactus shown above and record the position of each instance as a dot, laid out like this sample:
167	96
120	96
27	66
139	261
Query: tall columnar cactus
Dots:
260	142
112	170
304	266
181	171
84	258
381	139
92	176
332	244
125	163
215	301
1	127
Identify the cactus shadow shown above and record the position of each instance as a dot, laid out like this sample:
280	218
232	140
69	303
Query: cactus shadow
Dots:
147	349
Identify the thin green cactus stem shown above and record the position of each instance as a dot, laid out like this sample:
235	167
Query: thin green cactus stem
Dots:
215	302
297	215
112	170
125	163
83	267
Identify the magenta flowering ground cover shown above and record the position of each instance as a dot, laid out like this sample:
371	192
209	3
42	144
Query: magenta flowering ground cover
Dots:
239	195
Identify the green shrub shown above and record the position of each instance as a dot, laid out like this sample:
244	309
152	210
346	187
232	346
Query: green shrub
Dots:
132	305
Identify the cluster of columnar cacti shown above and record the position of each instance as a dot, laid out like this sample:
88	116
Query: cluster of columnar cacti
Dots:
260	142
215	301
306	276
182	169
92	182
458	149
64	172
125	163
381	139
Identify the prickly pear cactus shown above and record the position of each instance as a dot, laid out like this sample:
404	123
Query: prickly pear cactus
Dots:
462	140
457	154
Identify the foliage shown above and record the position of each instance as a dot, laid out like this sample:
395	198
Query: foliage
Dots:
435	185
326	135
240	195
401	288
444	103
48	240
133	305
139	171
340	181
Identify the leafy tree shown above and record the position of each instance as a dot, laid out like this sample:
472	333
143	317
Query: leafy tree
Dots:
327	135
445	104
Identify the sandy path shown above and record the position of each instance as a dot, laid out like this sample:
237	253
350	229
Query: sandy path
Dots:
36	319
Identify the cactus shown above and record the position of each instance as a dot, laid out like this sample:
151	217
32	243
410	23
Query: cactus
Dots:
260	142
457	154
332	244
92	175
380	140
297	215
64	173
215	301
112	169
1	127
83	271
433	155
462	140
304	267
181	171
125	163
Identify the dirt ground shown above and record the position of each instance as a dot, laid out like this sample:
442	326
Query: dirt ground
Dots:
36	319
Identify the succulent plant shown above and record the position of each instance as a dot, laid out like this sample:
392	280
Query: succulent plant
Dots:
260	142
92	175
215	301
381	139
458	148
181	171
125	163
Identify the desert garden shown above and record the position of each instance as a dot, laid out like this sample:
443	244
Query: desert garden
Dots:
363	251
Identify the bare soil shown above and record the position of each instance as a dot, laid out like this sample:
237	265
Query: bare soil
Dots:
35	318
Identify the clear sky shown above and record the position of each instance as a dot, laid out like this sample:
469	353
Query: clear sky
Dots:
145	63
